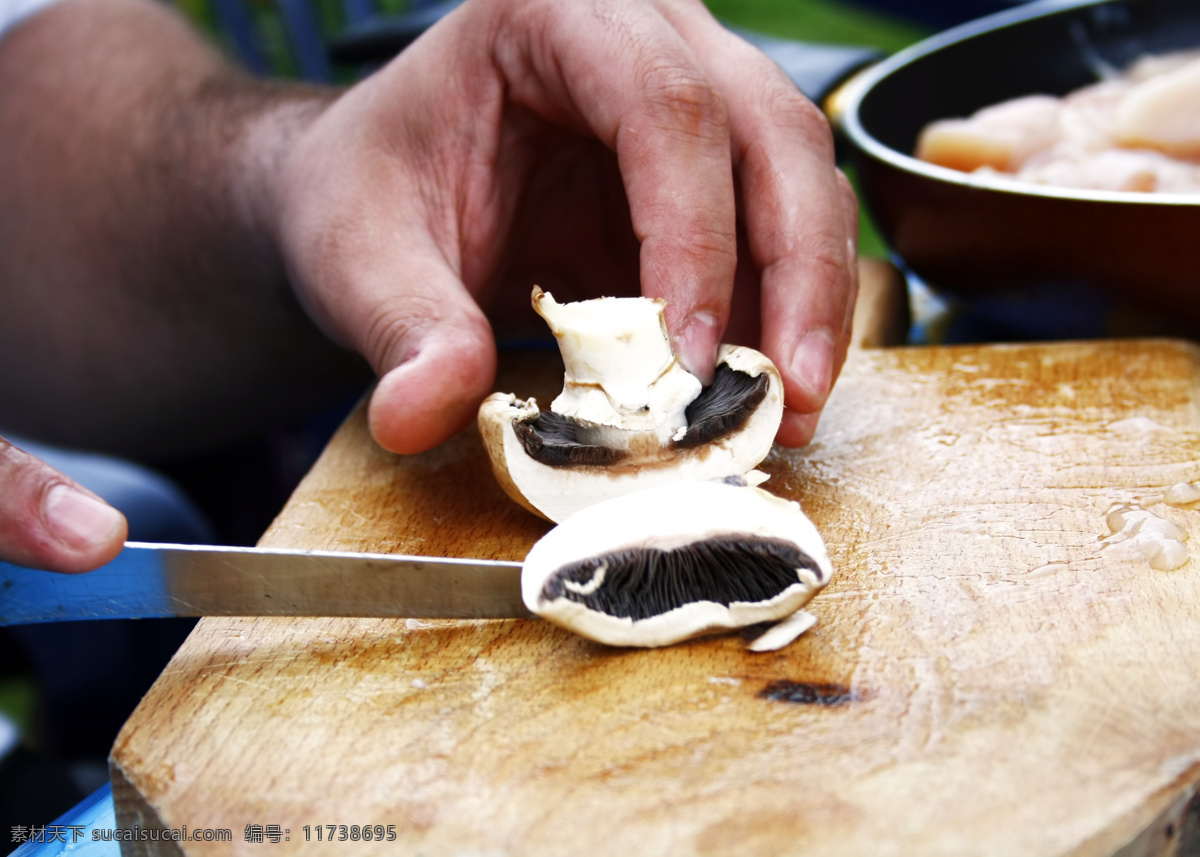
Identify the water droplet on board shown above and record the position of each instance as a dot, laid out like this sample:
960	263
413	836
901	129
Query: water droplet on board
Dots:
1049	569
1182	494
1137	425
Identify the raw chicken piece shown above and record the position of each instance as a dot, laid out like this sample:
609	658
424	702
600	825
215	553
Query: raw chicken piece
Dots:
1104	170
1000	137
1137	133
1163	113
1086	118
1156	64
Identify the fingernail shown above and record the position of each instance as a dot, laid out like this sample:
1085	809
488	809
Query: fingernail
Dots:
78	519
696	345
812	363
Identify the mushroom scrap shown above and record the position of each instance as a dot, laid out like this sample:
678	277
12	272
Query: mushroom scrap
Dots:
662	535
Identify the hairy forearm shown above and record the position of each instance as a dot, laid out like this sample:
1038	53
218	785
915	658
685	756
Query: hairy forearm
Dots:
143	305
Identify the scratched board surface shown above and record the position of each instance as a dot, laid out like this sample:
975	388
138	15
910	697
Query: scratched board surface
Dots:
985	676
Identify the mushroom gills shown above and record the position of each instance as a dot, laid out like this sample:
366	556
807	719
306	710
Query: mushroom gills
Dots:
662	565
555	441
723	407
640	583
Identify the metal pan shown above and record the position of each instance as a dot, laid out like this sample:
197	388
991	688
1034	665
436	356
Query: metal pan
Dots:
972	235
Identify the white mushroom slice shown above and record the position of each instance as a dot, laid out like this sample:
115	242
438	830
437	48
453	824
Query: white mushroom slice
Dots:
666	564
629	417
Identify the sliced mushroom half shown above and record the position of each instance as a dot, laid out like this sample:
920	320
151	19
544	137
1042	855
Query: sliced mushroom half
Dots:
662	565
629	417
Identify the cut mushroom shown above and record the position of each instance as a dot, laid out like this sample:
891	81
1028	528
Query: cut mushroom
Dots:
629	417
662	565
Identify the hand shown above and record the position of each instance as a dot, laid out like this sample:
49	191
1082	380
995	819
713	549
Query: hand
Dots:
584	147
48	521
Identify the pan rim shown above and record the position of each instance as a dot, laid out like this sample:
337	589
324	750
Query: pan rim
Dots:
860	87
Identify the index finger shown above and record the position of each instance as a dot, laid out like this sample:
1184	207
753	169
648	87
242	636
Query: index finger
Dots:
800	216
631	79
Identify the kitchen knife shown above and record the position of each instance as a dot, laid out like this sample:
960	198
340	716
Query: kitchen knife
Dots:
159	580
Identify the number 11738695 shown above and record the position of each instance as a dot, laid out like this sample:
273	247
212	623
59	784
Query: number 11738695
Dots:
349	832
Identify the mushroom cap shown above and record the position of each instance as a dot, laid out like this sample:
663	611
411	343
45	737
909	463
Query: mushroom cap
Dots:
665	564
557	472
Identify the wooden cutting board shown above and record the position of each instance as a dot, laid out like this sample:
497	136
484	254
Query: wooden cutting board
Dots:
984	678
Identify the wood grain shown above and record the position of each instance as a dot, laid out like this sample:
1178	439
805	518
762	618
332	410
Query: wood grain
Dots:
983	678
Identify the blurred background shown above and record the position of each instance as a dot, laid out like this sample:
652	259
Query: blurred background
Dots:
66	689
320	40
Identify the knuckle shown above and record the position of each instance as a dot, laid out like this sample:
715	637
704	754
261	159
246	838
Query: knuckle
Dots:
704	246
830	267
682	99
781	103
393	329
717	246
820	265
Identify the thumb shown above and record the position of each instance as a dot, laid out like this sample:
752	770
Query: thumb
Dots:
48	521
372	238
436	359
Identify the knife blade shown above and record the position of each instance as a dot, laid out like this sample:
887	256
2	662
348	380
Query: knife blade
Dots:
149	580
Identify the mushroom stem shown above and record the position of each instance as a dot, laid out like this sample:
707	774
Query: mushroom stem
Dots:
620	371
